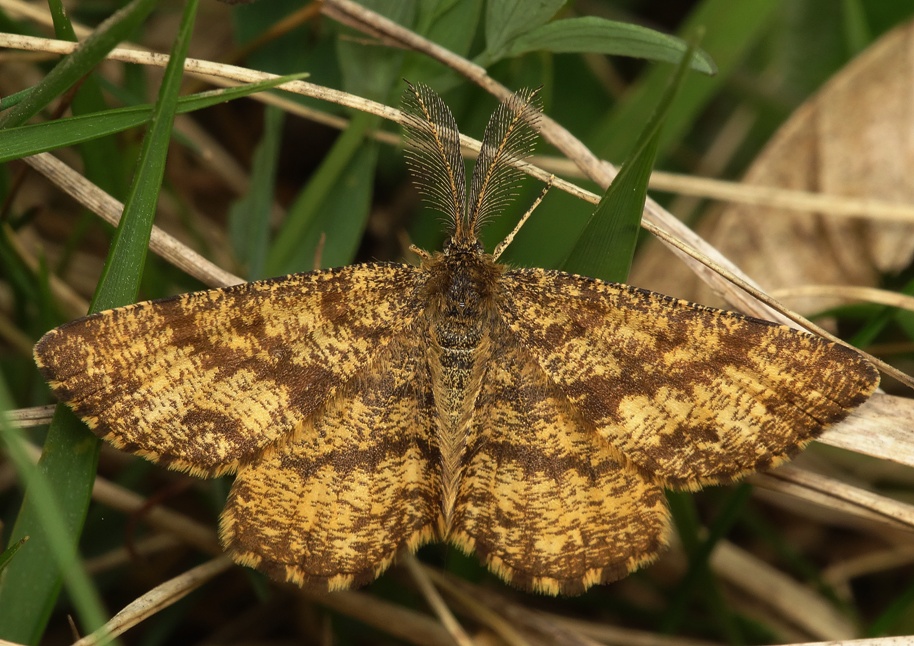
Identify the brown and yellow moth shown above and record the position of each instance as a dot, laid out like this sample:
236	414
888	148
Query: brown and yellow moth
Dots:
530	416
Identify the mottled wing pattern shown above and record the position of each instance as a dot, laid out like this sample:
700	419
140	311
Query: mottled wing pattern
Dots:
691	394
357	482
204	381
545	502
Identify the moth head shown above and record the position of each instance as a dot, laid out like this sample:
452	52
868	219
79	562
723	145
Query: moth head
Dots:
465	244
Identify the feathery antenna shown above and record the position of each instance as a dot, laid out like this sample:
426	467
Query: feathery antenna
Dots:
509	138
433	155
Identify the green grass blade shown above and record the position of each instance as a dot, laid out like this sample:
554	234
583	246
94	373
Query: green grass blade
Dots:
698	582
607	244
856	29
120	280
7	555
42	137
30	586
731	30
14	99
508	19
55	526
597	35
81	62
98	156
62	25
297	240
249	217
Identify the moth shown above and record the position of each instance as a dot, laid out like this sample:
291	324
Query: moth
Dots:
531	417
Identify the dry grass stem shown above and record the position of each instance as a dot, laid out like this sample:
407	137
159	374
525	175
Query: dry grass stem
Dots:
791	601
435	602
846	293
841	573
880	428
161	518
411	627
109	209
156	600
844	496
804	202
477	603
30	417
121	556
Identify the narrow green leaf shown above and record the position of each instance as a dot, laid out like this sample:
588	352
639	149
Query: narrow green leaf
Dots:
607	244
76	65
10	552
16	98
597	35
63	28
508	19
698	582
31	583
731	28
299	237
54	528
249	217
42	137
120	280
99	157
857	32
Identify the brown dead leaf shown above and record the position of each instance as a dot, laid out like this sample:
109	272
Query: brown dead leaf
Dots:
855	138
